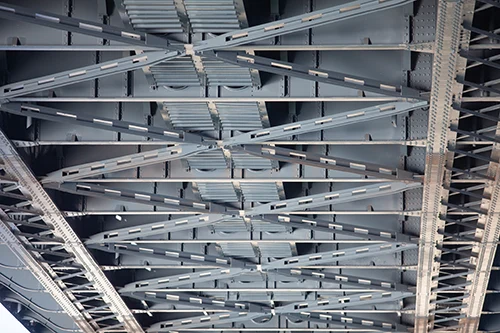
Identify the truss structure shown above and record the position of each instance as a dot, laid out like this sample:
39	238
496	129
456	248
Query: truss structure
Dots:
214	166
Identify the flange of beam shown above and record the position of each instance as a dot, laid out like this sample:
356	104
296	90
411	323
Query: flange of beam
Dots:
16	167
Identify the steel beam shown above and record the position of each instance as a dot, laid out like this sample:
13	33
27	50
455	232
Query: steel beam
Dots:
331	198
329	162
336	227
162	227
90	28
265	31
203	321
319	75
342	279
324	123
151	199
485	246
84	74
230	39
414	47
297	23
155	228
343	320
125	162
277	207
15	167
107	124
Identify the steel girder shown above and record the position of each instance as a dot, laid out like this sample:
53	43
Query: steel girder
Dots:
66	251
445	66
239	37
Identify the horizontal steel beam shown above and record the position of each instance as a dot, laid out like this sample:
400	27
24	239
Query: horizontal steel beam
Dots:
147	99
39	143
415	47
349	321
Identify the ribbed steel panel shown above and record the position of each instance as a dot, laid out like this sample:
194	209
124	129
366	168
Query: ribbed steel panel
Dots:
243	160
221	192
219	73
237	225
239	116
266	250
179	72
260	192
156	16
212	16
275	250
208	161
190	116
243	250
